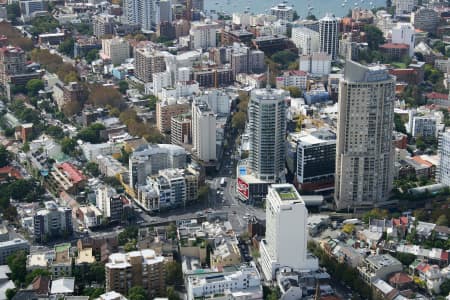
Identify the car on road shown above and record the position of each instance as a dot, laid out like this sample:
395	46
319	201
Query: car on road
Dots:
234	212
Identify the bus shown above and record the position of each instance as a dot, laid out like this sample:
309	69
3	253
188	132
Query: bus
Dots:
223	182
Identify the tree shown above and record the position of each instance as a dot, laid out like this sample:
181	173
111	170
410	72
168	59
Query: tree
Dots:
91	134
92	292
399	125
36	273
33	86
5	156
13	11
127	235
172	294
55	132
68	145
238	120
420	143
66	47
348	228
92	168
101	96
375	213
123	86
445	287
17	262
294	91
174	274
442	220
43	24
374	36
137	293
152	102
91	56
10	293
284	58
130	246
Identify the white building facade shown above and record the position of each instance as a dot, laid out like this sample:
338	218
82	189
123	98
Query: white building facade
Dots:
284	247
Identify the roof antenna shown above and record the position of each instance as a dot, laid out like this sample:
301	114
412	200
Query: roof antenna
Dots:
268	78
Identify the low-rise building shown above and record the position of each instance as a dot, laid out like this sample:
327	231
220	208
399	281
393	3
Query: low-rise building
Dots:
52	221
226	254
243	281
292	78
65	177
10	247
379	267
143	268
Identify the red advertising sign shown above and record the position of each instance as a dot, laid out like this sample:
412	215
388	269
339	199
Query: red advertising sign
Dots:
242	187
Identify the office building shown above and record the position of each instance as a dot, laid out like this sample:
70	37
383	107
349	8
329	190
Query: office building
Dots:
102	24
180	129
147	62
425	19
32	8
203	132
165	11
364	152
203	34
52	221
329	35
137	268
110	203
423	126
283	12
316	161
282	246
305	39
141	12
150	159
267	130
242	282
443	174
404	33
11	247
116	50
167	109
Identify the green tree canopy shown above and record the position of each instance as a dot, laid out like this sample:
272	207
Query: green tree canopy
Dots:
33	86
238	120
137	293
91	134
284	58
17	262
5	156
91	56
374	36
123	86
66	47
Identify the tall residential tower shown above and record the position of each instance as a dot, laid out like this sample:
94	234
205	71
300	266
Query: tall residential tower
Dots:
364	152
267	130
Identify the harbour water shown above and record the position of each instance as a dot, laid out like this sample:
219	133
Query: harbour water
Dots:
317	7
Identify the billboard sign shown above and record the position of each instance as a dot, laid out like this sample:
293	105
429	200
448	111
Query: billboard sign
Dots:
242	188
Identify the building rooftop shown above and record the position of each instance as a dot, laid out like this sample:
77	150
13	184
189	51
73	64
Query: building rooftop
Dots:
384	260
286	192
65	285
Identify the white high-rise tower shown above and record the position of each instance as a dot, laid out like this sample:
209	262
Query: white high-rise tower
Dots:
286	239
267	130
142	12
364	152
329	35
